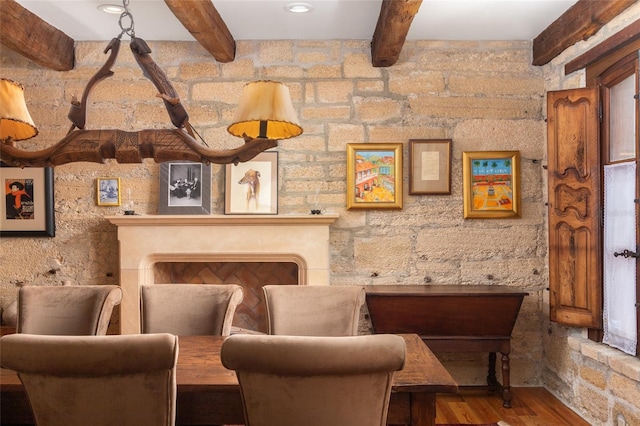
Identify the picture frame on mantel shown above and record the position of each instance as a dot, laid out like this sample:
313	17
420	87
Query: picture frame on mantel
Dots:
27	208
252	187
108	191
491	184
185	188
374	176
430	166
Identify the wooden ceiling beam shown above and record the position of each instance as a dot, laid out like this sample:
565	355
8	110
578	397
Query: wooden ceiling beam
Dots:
580	22
621	42
33	38
391	31
203	21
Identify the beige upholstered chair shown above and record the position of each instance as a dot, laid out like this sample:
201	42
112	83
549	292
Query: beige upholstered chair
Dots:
124	380
313	380
189	309
66	310
309	310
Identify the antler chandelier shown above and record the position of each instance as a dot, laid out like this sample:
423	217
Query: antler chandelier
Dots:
265	115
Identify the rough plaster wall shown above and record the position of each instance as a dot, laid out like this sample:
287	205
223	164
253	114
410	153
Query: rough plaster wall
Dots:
602	384
482	95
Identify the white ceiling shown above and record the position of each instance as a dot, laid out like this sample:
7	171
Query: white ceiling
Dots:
330	19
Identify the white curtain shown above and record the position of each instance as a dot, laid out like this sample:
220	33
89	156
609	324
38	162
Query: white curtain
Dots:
619	273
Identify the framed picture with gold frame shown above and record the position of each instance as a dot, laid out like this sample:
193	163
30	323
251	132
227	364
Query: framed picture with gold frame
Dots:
491	181
108	191
430	166
374	176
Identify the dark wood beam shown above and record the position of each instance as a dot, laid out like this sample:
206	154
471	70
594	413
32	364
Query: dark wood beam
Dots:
203	21
33	38
616	41
580	22
391	30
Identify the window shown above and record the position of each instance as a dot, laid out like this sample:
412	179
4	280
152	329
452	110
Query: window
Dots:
619	86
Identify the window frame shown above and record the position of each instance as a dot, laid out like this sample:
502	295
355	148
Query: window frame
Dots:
618	70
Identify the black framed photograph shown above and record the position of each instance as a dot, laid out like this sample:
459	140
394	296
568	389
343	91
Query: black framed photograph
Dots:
27	207
252	187
185	188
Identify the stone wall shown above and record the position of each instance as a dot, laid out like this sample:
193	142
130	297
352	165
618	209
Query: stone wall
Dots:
602	384
482	95
485	96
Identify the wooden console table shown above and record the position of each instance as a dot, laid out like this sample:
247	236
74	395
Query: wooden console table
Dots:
452	318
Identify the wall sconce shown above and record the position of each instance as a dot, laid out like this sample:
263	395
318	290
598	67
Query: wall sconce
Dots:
16	123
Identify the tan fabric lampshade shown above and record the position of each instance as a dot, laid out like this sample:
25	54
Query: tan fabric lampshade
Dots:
265	103
15	121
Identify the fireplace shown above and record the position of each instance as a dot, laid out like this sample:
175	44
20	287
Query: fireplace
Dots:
147	240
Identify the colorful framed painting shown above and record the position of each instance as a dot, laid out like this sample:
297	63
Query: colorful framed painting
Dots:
430	166
491	181
27	205
185	188
252	187
374	176
108	191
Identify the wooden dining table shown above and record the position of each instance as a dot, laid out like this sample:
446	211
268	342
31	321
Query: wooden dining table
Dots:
208	393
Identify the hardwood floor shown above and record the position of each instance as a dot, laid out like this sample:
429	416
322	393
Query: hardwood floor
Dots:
530	407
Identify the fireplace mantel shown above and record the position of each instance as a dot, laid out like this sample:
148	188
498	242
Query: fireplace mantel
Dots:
224	220
146	240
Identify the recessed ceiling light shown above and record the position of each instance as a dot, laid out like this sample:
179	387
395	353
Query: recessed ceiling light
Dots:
299	7
111	8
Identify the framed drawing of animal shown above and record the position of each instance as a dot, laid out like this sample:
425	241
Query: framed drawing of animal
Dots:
252	187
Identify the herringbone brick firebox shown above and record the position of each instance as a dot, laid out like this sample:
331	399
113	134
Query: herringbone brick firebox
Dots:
251	276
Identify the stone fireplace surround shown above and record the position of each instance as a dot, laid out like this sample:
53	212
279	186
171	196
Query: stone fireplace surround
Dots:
147	240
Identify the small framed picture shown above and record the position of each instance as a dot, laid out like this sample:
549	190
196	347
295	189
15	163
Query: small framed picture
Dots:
185	188
430	166
108	191
491	181
374	176
27	208
252	187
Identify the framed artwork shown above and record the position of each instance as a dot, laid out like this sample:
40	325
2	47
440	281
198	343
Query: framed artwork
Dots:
374	176
108	191
27	207
429	166
252	187
491	181
185	188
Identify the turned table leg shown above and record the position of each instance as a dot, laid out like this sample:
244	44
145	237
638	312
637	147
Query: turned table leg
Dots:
506	383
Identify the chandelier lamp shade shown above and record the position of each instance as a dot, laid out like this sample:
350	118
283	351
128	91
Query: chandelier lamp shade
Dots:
16	123
265	112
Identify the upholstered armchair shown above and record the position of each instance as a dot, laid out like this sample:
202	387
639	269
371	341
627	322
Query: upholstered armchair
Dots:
310	310
189	309
312	380
124	380
66	310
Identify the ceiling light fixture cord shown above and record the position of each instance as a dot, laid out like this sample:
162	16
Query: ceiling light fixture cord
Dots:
130	31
